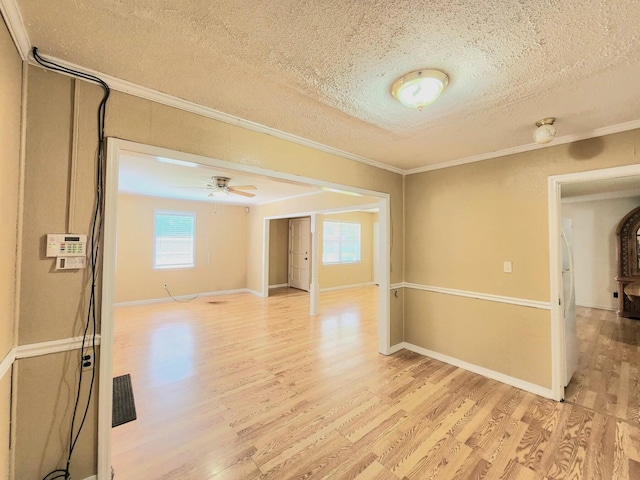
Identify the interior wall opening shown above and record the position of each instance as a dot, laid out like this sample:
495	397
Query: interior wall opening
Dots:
139	161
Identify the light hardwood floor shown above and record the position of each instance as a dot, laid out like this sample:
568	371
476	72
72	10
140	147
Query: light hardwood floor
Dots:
608	376
239	387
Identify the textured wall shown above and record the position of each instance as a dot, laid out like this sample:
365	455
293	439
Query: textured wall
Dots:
279	251
52	302
10	112
219	250
462	223
10	105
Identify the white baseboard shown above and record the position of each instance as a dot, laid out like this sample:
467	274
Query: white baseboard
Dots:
500	377
254	292
182	297
280	285
599	307
396	348
344	287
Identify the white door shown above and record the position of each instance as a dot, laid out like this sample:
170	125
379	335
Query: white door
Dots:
376	251
569	301
299	252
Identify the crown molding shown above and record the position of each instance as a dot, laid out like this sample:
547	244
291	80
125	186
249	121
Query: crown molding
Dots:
598	132
13	19
130	88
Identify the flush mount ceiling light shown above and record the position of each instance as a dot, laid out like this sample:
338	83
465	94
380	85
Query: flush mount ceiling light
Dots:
545	131
419	89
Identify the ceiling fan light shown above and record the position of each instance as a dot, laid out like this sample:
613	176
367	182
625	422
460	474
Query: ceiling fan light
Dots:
419	89
219	193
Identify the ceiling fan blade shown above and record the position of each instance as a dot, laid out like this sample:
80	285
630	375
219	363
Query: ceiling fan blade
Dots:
240	192
245	187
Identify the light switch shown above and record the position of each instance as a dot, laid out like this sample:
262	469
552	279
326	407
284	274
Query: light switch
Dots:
508	267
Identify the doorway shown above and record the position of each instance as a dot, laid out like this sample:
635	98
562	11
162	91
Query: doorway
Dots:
562	338
117	147
299	253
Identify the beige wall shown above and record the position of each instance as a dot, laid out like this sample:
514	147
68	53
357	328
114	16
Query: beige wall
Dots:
279	251
49	382
595	246
219	243
5	401
10	114
53	303
330	276
462	223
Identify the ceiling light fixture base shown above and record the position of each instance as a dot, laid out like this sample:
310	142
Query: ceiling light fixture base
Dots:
420	88
545	131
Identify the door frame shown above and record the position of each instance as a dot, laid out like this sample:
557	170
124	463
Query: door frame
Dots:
115	147
555	183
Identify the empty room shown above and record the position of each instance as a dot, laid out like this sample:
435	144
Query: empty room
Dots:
280	240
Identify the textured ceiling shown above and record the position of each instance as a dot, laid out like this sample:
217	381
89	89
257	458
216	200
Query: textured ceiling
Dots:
322	69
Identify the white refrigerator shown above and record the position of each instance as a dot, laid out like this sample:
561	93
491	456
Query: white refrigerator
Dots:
569	302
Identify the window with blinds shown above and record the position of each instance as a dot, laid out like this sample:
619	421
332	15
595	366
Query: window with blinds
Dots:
174	243
340	242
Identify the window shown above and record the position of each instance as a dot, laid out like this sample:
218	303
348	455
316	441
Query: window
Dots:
174	240
340	242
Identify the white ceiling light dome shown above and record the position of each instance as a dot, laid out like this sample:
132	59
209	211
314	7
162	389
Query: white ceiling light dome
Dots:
545	131
420	88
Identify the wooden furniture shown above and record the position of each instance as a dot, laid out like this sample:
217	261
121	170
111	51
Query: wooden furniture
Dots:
628	277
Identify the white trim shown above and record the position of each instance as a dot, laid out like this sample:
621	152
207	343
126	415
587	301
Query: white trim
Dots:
396	348
279	285
598	307
558	344
180	297
598	132
105	391
523	302
54	346
7	361
15	24
396	286
384	260
344	287
485	372
92	477
130	88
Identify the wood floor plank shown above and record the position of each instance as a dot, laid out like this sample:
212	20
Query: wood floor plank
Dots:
241	387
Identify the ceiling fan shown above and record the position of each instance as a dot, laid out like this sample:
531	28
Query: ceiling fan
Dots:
220	188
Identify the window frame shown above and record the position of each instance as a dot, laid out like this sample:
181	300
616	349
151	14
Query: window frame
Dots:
175	213
342	222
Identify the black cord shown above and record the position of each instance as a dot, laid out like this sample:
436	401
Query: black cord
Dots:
180	301
96	234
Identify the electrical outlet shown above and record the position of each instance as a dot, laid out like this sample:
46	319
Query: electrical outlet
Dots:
87	359
615	294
